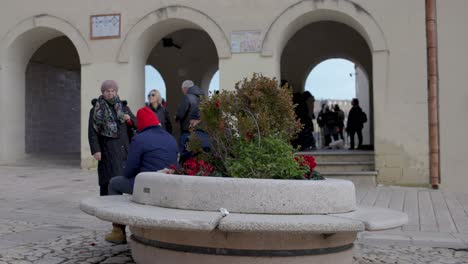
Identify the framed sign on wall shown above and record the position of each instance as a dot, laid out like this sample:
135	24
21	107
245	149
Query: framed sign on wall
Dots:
247	41
105	26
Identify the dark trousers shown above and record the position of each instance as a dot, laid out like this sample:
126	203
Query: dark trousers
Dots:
359	135
103	189
120	185
340	133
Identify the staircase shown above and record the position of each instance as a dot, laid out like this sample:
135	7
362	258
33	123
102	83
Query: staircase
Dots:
354	165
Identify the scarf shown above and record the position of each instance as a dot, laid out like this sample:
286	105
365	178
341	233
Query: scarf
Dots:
105	122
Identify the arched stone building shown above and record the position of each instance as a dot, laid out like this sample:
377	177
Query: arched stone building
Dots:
51	67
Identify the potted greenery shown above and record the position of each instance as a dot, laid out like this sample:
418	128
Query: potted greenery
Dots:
250	129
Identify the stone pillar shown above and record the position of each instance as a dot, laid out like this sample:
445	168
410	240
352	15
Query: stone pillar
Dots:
12	94
362	93
241	66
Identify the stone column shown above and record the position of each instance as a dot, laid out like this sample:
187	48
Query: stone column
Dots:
241	66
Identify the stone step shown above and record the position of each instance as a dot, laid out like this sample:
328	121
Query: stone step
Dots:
345	166
339	155
361	179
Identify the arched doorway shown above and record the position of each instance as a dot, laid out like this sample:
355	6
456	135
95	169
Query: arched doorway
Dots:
187	54
337	82
319	41
35	43
181	43
52	102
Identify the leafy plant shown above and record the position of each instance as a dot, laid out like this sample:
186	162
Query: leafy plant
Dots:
250	129
273	158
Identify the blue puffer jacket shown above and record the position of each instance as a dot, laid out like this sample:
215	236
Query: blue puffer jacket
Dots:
152	149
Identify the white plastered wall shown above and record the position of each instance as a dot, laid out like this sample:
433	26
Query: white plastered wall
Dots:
453	93
397	44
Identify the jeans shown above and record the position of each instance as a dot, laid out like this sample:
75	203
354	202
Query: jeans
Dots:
184	137
120	185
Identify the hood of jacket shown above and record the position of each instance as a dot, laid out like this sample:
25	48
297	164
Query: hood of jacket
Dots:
195	90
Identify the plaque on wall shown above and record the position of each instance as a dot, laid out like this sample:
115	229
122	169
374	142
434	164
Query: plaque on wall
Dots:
246	41
105	26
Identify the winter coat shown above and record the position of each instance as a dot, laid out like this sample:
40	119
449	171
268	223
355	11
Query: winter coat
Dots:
355	119
152	149
163	116
341	118
189	108
304	138
113	150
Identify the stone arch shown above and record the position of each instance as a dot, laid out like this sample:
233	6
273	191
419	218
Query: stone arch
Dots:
170	19
50	27
306	12
16	49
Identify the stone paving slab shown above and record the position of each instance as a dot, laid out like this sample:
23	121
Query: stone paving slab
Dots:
89	247
421	239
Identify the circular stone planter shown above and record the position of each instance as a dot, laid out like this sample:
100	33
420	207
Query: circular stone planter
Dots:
256	196
184	219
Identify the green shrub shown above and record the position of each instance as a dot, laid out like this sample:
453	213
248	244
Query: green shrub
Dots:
273	158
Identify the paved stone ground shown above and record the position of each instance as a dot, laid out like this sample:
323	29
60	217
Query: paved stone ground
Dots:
40	222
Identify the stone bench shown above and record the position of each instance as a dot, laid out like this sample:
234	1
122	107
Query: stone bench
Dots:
183	219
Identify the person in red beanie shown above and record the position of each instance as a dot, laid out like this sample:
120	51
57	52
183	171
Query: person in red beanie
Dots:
152	149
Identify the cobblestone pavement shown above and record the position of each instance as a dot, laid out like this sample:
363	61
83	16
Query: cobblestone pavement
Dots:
86	247
40	222
89	247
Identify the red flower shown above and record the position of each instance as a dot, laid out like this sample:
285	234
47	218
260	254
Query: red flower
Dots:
308	161
216	104
249	135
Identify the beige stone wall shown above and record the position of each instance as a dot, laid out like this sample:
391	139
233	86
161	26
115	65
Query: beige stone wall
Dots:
453	93
397	44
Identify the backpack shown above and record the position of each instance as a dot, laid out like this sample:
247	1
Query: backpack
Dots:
363	117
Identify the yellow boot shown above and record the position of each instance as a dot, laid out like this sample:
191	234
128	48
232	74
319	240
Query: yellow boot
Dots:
117	235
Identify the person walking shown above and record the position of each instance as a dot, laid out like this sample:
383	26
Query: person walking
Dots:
356	120
341	118
155	103
110	126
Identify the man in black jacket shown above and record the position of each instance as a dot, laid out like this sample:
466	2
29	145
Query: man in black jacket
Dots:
356	120
188	112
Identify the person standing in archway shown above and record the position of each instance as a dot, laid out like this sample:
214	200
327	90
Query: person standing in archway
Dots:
188	112
356	120
155	103
111	126
341	118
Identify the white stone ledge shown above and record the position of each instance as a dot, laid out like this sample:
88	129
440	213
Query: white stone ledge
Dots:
288	223
120	209
376	218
